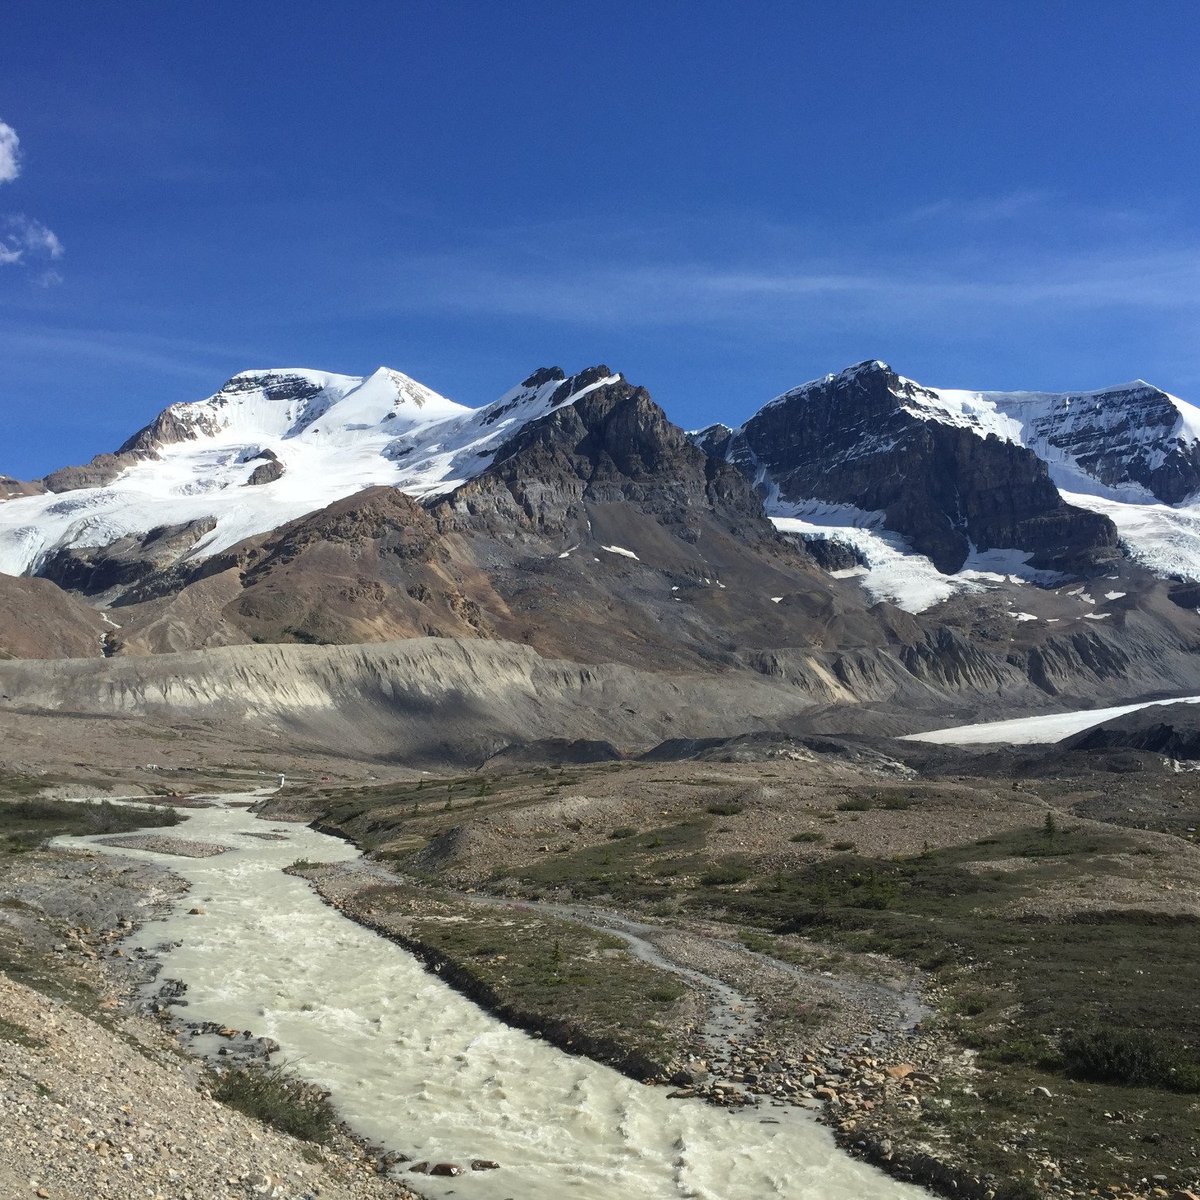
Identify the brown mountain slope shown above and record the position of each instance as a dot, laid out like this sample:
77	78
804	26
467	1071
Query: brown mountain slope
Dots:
39	620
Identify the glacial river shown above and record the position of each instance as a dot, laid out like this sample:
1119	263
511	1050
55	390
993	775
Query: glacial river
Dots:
415	1067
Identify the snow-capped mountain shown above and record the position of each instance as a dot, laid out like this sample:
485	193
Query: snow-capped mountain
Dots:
916	492
571	515
936	490
269	447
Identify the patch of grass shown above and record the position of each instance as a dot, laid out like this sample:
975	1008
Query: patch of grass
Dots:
383	814
863	801
664	994
13	783
1098	1133
723	876
1132	1057
28	823
275	1097
545	972
631	869
725	808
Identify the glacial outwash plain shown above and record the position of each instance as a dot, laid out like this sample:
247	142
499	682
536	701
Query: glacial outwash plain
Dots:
544	801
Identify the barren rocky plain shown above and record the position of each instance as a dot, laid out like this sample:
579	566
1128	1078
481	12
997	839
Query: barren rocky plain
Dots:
977	965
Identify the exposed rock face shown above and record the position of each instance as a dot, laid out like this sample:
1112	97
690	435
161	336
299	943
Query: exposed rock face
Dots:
833	554
104	468
849	439
269	470
615	445
1131	435
10	488
94	570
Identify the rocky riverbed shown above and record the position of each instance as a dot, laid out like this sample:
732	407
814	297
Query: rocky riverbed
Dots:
857	1049
101	1101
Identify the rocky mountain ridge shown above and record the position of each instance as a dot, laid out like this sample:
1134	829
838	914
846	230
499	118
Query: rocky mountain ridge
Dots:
841	439
573	517
1059	482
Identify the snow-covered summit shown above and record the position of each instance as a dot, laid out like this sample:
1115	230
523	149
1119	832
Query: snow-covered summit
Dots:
326	436
289	403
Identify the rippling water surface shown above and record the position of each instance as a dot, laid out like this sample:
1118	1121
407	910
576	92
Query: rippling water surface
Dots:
417	1068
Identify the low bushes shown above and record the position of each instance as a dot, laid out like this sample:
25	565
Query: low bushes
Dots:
1131	1057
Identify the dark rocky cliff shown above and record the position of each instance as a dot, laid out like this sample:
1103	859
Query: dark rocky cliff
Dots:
848	439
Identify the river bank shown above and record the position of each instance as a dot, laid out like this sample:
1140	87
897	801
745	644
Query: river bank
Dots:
842	1046
417	1069
104	1102
1024	917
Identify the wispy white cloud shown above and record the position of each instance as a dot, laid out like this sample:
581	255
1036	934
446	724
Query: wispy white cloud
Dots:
902	289
26	238
199	363
982	210
10	153
24	241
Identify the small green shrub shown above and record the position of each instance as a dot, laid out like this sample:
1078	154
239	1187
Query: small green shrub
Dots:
664	994
271	1095
10	1031
723	876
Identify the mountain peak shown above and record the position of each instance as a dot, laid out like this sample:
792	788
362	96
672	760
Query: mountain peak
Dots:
869	366
544	375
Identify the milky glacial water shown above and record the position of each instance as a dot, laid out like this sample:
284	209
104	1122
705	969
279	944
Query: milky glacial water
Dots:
417	1068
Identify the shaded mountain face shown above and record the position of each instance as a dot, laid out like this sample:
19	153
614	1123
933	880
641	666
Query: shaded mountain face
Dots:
855	439
1172	730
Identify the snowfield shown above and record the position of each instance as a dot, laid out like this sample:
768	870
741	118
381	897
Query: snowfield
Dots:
894	571
1030	731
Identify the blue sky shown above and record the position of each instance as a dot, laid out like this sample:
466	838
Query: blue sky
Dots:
720	201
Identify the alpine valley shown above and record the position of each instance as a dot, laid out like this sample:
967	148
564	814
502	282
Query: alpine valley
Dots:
832	774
